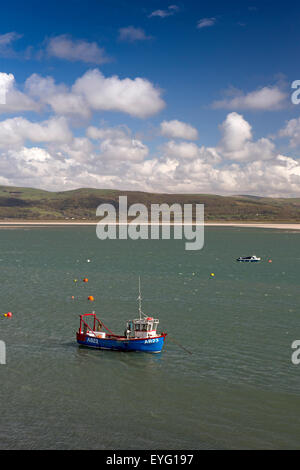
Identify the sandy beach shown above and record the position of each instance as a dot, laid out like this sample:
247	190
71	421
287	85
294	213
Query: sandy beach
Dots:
284	226
22	223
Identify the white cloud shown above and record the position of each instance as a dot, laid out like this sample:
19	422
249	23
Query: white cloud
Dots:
79	149
42	87
132	34
123	149
69	104
171	10
137	97
236	132
46	154
117	144
41	168
64	47
181	150
237	144
13	100
5	84
6	41
36	167
178	130
206	22
95	92
264	99
184	151
107	132
292	131
58	97
16	131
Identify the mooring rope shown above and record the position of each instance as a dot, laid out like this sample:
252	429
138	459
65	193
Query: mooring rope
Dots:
180	345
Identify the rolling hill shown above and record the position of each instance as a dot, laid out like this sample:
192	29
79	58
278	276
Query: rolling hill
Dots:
17	203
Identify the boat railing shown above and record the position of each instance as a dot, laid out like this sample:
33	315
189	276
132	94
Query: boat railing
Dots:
85	324
92	330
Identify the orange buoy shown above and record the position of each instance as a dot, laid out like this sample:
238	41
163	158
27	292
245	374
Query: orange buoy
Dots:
85	279
91	298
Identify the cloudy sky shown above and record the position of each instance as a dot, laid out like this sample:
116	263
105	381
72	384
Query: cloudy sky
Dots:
187	97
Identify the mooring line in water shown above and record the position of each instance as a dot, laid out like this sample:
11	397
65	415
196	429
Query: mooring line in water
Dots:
180	345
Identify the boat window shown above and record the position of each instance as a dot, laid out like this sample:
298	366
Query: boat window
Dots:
144	327
137	327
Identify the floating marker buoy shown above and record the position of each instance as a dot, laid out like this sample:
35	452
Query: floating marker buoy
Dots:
75	280
85	279
91	298
212	274
88	260
72	297
270	261
7	315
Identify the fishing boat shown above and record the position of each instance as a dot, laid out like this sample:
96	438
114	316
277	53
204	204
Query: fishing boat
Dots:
249	259
139	335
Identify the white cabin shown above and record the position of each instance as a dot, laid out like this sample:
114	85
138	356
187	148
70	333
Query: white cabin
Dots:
142	328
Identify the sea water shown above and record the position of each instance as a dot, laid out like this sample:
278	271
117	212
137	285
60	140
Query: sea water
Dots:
234	385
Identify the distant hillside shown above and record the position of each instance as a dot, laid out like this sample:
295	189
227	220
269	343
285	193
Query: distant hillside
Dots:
36	204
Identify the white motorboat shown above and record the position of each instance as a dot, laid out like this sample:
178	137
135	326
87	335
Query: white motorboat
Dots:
249	259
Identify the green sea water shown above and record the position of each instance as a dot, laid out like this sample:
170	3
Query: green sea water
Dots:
237	390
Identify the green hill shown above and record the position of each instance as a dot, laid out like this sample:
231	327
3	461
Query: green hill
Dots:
36	204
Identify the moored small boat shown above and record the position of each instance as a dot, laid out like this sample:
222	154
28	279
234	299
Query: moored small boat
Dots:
249	259
140	334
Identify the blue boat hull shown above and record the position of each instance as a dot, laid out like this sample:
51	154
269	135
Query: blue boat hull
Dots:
151	345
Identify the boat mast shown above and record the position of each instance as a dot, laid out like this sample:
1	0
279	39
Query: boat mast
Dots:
140	299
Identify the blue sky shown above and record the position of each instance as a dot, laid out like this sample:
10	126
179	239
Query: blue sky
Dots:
159	96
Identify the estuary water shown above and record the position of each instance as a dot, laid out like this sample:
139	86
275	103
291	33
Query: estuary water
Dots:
237	390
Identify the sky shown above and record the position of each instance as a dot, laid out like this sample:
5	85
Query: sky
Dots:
158	96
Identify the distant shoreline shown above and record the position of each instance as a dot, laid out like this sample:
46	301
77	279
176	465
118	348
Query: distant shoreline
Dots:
23	223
